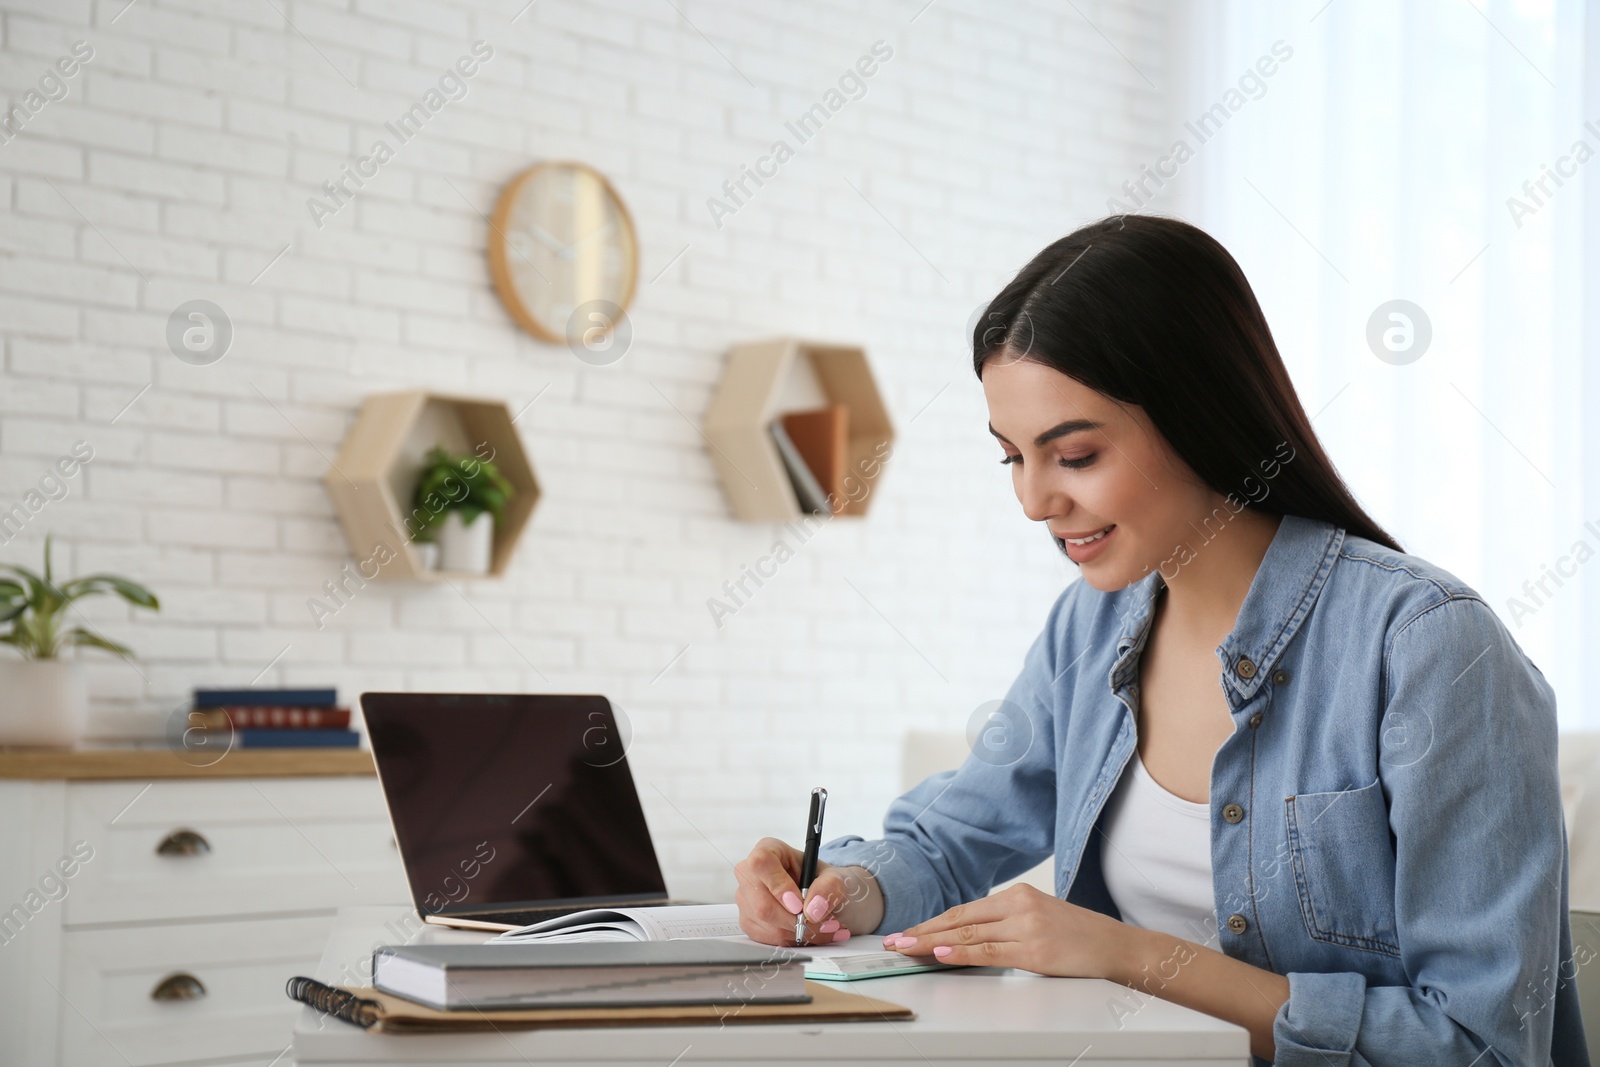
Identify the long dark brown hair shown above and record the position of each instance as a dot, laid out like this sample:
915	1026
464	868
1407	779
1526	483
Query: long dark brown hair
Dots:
1152	311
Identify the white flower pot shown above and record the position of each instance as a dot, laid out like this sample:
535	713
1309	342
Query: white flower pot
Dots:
42	702
464	548
427	555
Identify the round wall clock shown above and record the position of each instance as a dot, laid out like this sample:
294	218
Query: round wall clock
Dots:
561	241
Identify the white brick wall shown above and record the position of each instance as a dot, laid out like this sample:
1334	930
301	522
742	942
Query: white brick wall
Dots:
181	161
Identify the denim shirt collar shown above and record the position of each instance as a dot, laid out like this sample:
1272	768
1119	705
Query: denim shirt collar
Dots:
1286	585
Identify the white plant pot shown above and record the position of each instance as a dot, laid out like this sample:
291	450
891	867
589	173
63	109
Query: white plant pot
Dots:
464	548
427	555
42	702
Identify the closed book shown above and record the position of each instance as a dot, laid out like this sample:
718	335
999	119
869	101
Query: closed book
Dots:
606	974
821	436
296	739
272	717
301	698
807	490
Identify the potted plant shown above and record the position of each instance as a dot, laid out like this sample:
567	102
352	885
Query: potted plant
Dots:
452	496
44	698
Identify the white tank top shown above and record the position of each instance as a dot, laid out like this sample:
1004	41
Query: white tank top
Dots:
1156	853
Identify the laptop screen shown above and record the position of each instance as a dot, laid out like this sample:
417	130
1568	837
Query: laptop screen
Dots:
510	801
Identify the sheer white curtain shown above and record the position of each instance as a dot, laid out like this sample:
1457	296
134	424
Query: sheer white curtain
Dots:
1435	152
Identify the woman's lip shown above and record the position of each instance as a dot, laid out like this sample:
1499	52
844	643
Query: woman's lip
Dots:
1081	554
1086	533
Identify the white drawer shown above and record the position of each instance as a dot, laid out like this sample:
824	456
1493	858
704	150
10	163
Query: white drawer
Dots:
262	846
108	976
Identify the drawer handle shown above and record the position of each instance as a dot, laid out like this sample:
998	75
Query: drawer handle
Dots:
183	843
178	986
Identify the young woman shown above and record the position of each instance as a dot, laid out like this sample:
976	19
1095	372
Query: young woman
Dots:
1349	840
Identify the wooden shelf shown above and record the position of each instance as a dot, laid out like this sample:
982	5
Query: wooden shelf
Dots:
155	763
765	379
376	472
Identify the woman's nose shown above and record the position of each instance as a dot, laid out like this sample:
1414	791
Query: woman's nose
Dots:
1038	494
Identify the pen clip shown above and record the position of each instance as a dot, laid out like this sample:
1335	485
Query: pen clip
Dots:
821	796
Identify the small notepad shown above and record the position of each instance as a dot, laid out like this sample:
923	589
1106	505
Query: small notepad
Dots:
863	957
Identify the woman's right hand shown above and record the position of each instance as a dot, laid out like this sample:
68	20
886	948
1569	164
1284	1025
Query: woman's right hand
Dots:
841	901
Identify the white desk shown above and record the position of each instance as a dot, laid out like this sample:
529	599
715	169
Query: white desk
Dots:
974	1016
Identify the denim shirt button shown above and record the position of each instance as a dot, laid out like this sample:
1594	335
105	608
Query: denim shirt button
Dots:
1255	720
1245	668
1237	923
1232	812
1280	676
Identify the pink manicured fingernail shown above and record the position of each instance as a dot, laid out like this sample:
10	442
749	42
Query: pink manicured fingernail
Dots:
816	908
842	935
942	951
904	942
792	901
828	927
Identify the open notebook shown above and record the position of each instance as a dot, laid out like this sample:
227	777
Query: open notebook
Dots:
860	957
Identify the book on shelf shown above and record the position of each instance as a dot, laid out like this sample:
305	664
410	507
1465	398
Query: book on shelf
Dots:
301	698
272	717
589	975
862	956
252	738
807	490
822	438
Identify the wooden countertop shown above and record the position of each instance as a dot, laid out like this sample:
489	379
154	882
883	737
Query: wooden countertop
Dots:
158	761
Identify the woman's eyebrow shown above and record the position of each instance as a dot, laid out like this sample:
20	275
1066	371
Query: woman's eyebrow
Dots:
1069	427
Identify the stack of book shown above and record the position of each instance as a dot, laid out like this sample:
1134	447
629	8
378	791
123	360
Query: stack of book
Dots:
276	718
812	445
444	988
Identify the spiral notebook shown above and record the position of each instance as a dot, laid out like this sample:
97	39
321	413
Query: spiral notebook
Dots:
862	956
382	1013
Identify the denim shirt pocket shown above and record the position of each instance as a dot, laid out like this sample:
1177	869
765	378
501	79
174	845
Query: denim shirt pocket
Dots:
1344	866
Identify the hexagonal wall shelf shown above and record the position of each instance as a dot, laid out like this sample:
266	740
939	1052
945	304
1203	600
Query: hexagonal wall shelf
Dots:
376	472
766	379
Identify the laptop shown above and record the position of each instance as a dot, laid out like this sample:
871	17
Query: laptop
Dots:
511	809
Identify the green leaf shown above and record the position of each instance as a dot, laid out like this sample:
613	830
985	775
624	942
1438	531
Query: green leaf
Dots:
132	592
78	636
33	637
13	599
32	578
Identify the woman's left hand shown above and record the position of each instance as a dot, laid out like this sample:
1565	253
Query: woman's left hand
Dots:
1019	927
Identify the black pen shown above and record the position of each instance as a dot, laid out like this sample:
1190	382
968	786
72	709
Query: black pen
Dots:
808	864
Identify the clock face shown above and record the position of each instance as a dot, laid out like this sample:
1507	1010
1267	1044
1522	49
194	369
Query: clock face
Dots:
561	240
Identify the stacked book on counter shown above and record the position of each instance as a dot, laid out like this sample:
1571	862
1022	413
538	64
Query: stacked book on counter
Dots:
275	718
435	988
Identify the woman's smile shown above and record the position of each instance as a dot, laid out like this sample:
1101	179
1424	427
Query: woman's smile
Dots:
1081	548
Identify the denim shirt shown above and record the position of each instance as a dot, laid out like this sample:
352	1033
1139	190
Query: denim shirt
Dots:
1387	828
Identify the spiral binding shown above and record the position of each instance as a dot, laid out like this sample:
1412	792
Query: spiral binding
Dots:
336	1002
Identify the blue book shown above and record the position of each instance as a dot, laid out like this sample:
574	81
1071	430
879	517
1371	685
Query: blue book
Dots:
295	739
283	698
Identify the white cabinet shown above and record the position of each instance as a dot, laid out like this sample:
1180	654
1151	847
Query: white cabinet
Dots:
152	922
